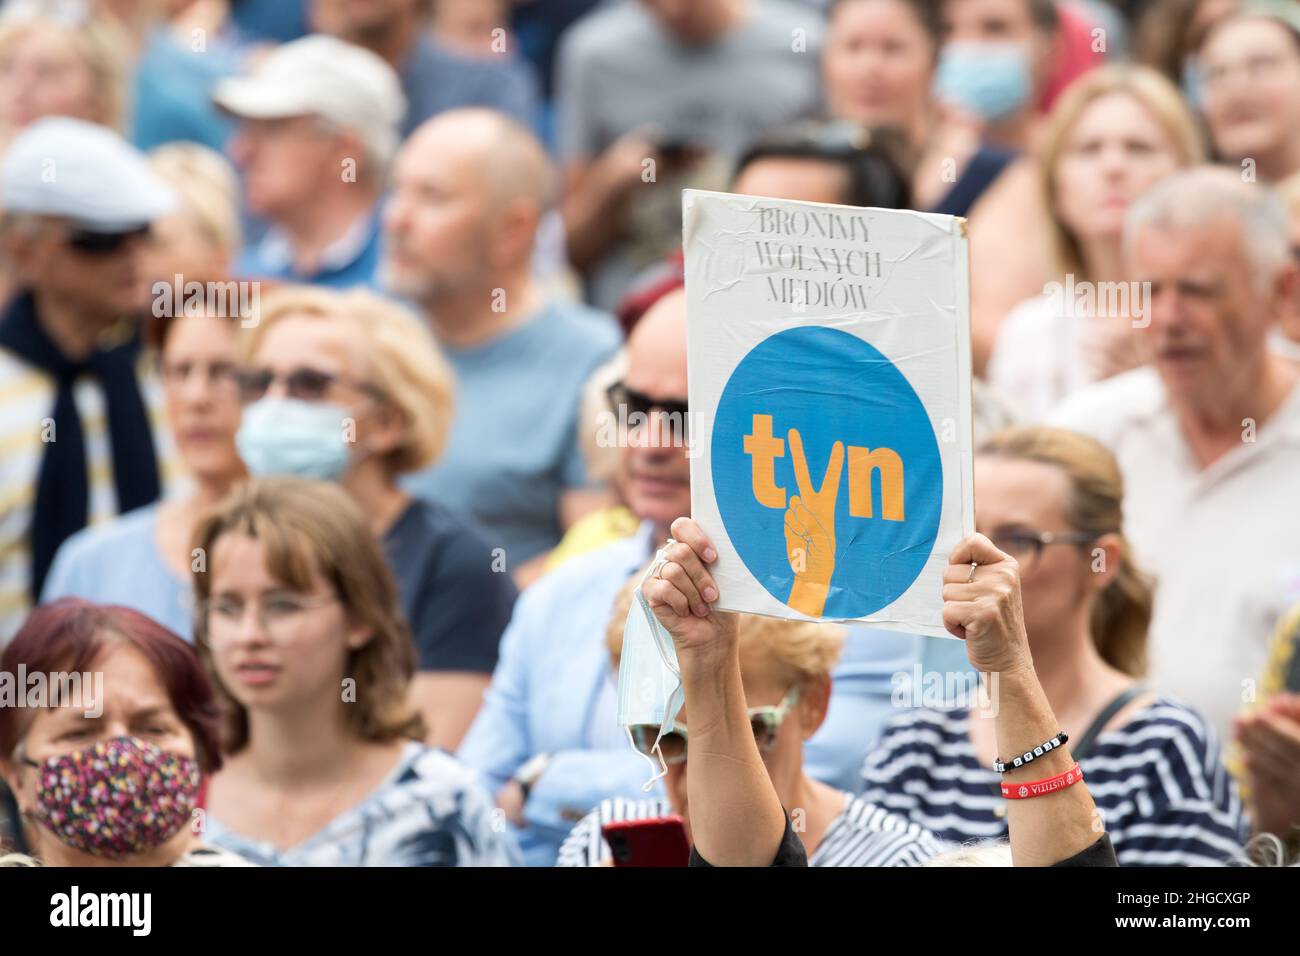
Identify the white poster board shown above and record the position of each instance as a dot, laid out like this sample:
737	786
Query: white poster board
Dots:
830	394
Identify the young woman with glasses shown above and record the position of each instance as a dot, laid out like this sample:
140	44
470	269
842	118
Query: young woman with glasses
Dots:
300	627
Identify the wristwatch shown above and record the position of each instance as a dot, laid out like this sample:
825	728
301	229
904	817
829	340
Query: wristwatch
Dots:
533	768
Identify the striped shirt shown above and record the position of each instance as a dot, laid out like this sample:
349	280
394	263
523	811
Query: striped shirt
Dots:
862	835
27	396
1158	782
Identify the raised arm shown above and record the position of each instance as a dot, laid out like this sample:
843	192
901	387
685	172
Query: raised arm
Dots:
736	815
983	608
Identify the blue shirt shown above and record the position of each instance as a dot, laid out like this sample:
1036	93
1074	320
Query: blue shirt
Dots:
173	92
514	446
350	261
554	693
435	78
119	563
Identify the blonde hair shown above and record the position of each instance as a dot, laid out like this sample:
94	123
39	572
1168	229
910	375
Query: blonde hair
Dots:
803	652
407	365
208	188
1154	93
308	528
996	854
102	46
1122	612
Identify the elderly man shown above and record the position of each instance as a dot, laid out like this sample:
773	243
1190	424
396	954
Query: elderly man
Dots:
469	189
79	410
320	123
546	739
1208	435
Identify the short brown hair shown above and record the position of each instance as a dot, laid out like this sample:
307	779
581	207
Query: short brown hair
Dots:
314	526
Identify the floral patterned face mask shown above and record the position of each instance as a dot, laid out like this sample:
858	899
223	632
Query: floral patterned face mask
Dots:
121	797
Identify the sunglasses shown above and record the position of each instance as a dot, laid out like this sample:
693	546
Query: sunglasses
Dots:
765	722
305	384
89	242
620	396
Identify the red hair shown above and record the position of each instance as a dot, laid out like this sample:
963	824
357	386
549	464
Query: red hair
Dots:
69	634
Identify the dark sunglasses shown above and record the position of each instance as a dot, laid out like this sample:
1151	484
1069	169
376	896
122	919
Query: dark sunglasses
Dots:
92	243
305	384
622	396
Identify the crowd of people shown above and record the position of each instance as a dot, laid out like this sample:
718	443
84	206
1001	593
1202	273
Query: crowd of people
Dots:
313	318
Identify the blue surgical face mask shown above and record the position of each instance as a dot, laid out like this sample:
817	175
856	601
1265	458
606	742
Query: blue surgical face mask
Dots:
988	80
287	436
649	681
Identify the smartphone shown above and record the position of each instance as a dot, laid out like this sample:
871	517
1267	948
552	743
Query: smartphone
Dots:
658	841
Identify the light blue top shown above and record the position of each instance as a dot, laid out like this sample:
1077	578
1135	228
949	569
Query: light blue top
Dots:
430	811
119	563
514	449
554	693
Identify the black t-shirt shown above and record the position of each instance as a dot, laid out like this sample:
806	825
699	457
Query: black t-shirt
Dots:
456	604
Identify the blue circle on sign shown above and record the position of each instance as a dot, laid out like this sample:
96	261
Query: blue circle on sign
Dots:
827	386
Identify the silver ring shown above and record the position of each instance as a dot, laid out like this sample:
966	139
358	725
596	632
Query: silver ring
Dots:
973	566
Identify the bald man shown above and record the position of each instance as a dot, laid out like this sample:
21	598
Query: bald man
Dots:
546	741
469	190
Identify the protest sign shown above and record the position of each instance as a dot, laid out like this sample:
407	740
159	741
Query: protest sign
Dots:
830	398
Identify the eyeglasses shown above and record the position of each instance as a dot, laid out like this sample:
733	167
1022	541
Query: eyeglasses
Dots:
274	612
1027	546
765	722
91	243
620	396
306	384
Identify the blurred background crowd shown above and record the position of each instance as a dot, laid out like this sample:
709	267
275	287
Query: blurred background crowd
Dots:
312	311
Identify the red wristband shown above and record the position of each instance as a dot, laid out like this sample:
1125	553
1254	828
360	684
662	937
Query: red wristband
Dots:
1039	788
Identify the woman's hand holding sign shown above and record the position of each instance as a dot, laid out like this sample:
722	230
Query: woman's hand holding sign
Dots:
981	605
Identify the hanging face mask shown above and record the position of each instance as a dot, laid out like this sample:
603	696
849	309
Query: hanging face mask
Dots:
649	680
287	436
116	799
989	80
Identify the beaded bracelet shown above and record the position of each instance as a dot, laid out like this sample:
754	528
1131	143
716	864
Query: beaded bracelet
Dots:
1038	788
1029	756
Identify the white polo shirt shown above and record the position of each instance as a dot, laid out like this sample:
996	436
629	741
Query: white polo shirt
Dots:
1223	541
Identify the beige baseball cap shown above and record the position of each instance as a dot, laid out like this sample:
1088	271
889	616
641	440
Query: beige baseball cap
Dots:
323	76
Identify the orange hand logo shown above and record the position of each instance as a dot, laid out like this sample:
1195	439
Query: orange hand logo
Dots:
810	529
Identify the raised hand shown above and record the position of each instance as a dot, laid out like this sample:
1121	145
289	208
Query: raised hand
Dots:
680	595
982	605
810	529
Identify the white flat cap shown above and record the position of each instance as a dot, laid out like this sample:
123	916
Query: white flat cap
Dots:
323	76
68	167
